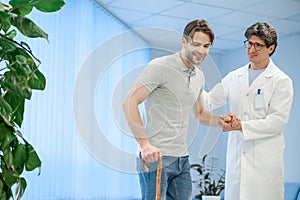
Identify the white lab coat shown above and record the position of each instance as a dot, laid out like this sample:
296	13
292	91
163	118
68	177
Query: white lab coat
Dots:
254	163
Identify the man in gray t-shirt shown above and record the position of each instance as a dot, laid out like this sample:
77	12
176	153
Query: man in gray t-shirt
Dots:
174	89
172	86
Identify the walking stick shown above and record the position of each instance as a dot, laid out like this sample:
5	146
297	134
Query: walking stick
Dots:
158	178
158	175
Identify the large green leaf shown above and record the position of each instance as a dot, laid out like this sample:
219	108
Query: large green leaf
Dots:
4	21
17	83
21	7
8	157
19	155
28	27
7	45
48	5
6	136
33	160
10	177
3	194
3	131
5	111
3	188
22	86
18	104
37	81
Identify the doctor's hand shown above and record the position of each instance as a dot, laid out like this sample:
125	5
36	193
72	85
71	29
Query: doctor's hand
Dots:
230	122
225	121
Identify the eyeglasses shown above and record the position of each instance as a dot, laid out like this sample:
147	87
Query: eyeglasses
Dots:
257	46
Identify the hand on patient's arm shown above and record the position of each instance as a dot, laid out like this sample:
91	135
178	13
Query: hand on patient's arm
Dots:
230	122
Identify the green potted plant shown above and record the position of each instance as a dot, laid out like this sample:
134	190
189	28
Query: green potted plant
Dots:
211	180
19	76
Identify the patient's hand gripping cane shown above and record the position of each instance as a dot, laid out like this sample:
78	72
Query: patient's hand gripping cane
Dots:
158	176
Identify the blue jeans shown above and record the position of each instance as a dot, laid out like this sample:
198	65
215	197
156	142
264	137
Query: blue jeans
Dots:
176	182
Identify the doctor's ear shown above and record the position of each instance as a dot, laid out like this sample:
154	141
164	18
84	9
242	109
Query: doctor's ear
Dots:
271	49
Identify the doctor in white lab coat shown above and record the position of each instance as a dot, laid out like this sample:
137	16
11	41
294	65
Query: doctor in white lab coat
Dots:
260	95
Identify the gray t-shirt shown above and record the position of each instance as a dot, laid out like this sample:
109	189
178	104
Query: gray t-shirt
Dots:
174	90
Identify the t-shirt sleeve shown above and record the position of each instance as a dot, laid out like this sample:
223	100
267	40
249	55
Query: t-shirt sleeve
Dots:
152	76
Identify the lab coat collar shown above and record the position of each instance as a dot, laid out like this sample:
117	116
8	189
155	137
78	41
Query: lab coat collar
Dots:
267	73
243	74
269	70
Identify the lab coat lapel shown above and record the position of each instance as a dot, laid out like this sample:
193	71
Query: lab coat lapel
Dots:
243	79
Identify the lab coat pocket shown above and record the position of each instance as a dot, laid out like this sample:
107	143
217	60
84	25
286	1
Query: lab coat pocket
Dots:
258	101
261	103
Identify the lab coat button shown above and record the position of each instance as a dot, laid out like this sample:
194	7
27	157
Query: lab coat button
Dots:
245	113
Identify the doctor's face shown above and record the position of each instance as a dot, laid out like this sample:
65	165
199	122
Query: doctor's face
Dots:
196	48
257	50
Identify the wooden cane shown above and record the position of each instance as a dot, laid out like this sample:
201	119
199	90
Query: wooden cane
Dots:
158	178
158	175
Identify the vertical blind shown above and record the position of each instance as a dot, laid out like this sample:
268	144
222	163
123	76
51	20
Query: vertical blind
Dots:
72	166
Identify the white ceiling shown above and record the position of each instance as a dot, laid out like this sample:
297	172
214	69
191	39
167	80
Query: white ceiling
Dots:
228	18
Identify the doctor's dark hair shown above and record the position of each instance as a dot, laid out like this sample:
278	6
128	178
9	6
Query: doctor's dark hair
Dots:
198	26
265	32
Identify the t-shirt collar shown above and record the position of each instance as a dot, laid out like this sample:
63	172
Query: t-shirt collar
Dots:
183	67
